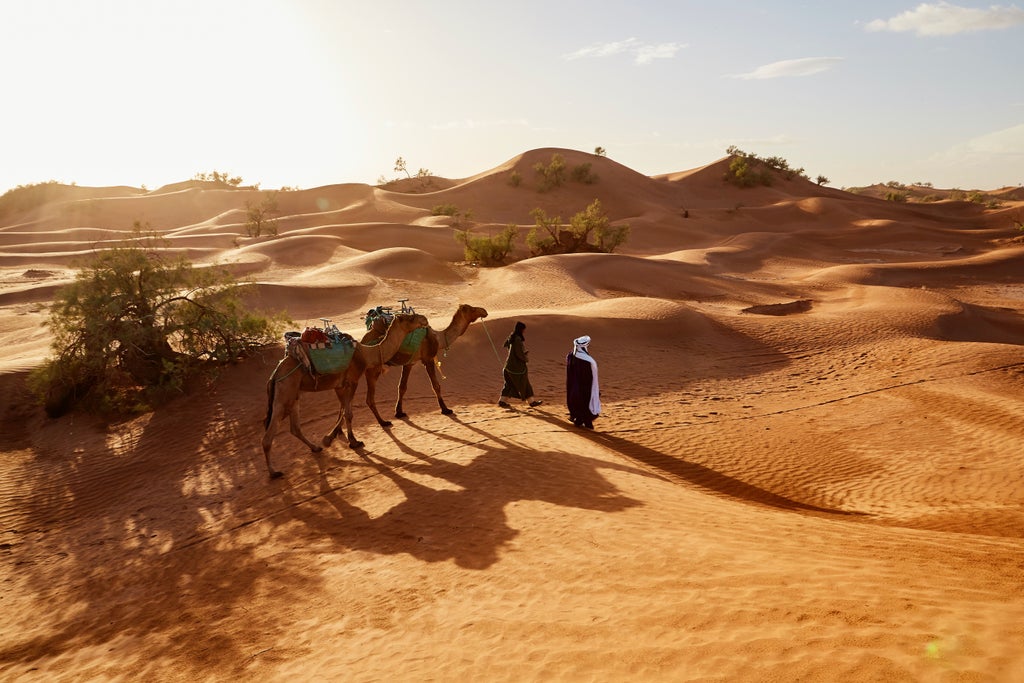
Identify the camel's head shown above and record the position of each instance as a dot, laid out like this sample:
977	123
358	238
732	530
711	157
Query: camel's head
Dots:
472	313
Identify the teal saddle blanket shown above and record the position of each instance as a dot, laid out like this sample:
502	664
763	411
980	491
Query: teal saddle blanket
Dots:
331	359
411	343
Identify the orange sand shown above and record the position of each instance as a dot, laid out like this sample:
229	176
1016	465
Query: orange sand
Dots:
809	466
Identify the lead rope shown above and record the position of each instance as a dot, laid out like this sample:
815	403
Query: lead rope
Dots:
496	355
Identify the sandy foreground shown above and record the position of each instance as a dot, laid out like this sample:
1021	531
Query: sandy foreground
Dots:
809	465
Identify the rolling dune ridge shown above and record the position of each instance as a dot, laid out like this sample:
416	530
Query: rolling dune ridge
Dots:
808	466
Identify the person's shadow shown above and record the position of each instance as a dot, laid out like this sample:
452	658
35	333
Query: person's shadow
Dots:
677	469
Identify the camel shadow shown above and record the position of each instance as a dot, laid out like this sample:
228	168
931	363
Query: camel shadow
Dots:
457	512
678	469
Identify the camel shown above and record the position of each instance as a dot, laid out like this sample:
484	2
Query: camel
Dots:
290	379
433	342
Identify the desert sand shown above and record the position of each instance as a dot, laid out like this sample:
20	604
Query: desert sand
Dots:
808	466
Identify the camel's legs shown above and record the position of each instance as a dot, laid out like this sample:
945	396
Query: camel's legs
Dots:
296	428
431	369
403	384
345	393
372	375
279	409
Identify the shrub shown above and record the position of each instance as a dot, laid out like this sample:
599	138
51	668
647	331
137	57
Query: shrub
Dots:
892	196
754	169
600	151
741	173
548	237
543	236
515	179
552	175
487	250
218	177
822	180
594	221
137	323
444	210
583	174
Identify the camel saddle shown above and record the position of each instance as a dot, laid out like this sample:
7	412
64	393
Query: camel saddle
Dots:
320	352
412	341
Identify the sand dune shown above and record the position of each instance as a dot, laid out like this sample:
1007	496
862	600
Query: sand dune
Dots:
807	468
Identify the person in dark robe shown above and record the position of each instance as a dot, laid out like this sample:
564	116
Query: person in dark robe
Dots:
582	391
516	374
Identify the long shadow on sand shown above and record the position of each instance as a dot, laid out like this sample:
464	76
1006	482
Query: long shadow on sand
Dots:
105	549
693	473
457	512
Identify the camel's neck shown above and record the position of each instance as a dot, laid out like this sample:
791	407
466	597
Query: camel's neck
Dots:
390	344
456	328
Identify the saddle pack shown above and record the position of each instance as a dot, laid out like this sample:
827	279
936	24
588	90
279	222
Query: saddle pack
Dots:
321	351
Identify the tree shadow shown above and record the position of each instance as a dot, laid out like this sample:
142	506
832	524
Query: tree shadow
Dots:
127	532
688	472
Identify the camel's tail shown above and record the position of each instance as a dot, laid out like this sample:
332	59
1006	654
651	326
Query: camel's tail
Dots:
271	389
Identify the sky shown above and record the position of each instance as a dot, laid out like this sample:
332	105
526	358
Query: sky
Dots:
305	93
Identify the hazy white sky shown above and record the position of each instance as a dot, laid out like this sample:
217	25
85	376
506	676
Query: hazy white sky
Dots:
315	92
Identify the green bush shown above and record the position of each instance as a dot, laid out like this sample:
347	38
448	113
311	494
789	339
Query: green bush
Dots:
552	175
444	210
900	197
742	173
588	230
137	323
748	170
487	250
515	179
583	174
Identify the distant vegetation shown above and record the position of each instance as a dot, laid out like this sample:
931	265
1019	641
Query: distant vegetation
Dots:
487	250
749	170
589	230
458	216
554	174
137	324
28	197
600	151
924	192
259	217
218	177
401	167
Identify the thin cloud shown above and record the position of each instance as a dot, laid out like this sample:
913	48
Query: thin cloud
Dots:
643	53
999	155
466	124
789	68
944	19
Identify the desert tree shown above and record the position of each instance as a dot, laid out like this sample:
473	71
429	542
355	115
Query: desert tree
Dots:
400	167
589	230
137	323
593	221
259	217
822	180
600	151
